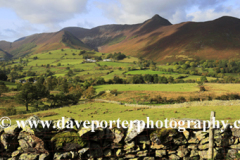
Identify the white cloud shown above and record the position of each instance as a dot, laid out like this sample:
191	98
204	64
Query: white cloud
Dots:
211	14
48	12
176	11
19	29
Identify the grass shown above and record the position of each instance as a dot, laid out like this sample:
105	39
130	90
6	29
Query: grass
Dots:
9	84
114	73
116	40
198	78
180	87
40	62
106	111
222	87
148	72
115	64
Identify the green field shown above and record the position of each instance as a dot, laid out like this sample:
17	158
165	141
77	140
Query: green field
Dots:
148	72
223	87
106	111
181	87
114	73
9	84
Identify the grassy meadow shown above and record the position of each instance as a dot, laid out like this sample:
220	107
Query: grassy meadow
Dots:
182	87
106	111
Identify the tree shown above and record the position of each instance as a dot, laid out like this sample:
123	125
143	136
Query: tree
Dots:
163	79
170	79
203	79
137	79
41	90
20	60
3	88
100	81
27	94
90	92
3	76
192	64
64	86
82	52
70	73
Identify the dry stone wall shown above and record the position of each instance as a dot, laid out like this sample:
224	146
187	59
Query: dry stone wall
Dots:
115	143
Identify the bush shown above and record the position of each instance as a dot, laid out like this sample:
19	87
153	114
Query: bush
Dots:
11	110
181	99
222	97
202	88
115	92
22	112
233	96
45	107
209	98
101	93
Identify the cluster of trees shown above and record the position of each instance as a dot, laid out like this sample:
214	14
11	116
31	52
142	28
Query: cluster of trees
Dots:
117	56
3	76
33	93
143	64
3	88
92	57
209	68
219	66
139	79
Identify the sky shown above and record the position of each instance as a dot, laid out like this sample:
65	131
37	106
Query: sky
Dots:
21	18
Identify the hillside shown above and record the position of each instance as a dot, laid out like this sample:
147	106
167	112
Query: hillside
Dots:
158	40
4	54
42	42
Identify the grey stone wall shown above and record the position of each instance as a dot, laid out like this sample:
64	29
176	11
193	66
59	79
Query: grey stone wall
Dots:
115	143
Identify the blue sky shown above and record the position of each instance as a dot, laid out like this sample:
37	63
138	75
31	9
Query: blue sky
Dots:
21	18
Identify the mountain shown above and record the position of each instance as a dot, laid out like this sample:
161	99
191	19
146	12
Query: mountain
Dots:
159	40
108	35
42	42
155	38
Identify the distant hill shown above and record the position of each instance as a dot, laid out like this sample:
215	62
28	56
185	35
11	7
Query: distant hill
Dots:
20	39
42	42
4	55
155	39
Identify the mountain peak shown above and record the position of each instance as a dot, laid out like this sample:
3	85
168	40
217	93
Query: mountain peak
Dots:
156	16
159	20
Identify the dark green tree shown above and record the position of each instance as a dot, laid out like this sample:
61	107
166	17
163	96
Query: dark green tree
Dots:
41	90
3	88
27	94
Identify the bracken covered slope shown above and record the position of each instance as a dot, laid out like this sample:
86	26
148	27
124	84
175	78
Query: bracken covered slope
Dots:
42	42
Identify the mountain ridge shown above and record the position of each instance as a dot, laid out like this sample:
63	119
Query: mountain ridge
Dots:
155	38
